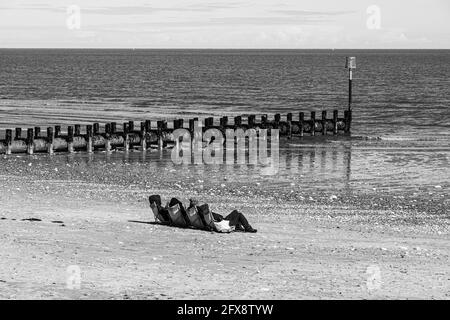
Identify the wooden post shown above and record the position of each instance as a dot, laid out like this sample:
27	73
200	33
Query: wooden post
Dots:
148	126
18	133
108	137
289	117
96	129
237	121
30	141
209	122
130	126
251	121
50	140
143	136
264	120
176	124
160	126
37	132
126	138
191	125
335	121
77	130
301	123
70	139
8	140
89	135
324	122
113	127
277	119
180	123
313	123
224	122
57	131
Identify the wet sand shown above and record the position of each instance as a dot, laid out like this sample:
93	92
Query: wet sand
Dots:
311	243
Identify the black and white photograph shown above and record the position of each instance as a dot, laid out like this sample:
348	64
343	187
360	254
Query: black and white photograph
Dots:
242	151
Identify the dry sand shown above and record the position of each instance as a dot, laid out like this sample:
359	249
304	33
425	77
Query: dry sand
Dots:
302	249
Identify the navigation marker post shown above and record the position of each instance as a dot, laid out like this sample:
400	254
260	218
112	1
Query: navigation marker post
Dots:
350	64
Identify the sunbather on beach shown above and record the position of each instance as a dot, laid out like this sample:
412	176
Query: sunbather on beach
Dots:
175	214
236	218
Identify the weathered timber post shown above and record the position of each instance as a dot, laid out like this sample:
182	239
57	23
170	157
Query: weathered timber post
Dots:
335	121
324	122
143	136
130	126
113	127
160	125
313	123
89	135
264	120
126	138
96	129
209	122
251	121
224	122
70	139
18	133
148	126
289	125
50	140
57	131
30	141
301	123
191	125
8	140
77	130
289	117
108	137
37	132
277	118
237	121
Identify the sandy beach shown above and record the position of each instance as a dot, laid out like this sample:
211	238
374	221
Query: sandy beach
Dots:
66	211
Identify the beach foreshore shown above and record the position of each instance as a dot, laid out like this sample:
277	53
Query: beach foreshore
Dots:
56	214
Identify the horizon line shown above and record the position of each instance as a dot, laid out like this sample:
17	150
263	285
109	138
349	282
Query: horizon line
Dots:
205	48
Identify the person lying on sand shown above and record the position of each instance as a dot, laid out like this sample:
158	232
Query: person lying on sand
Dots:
235	219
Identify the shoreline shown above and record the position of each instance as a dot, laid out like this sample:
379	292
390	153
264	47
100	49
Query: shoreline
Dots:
303	249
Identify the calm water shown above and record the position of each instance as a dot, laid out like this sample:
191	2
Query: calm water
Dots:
401	96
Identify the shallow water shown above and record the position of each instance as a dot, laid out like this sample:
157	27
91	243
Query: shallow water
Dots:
400	97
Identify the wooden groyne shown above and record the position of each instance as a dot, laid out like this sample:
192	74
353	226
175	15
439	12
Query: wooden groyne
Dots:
159	133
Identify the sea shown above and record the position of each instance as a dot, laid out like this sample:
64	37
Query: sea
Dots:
400	138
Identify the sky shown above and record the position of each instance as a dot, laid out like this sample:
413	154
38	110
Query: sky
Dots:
296	24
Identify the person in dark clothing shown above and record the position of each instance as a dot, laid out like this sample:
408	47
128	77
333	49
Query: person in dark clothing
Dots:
175	201
163	212
235	218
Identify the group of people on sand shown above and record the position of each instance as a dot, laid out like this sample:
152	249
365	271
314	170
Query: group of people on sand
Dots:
197	216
